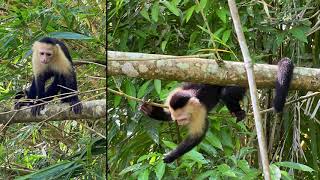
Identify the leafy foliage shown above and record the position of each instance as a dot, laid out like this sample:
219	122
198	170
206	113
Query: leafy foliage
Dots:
273	29
52	150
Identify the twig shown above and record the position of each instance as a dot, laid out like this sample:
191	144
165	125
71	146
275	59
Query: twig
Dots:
136	99
290	102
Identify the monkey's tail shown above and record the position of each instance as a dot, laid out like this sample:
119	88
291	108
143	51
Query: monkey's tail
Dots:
284	76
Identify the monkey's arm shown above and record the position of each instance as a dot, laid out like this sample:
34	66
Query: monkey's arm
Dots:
186	145
155	112
69	85
231	95
37	89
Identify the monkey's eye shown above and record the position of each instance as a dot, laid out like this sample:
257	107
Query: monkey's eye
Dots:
48	54
42	53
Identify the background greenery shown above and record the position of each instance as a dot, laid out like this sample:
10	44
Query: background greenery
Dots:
273	29
56	150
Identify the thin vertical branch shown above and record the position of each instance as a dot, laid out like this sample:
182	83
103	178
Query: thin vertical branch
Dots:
253	89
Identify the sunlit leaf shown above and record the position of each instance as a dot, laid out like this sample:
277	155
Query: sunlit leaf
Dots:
160	169
201	5
222	14
294	165
171	7
157	85
131	91
213	140
189	13
275	172
143	88
144	13
130	169
299	33
155	11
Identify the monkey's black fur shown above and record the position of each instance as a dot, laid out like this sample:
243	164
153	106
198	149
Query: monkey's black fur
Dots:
68	81
284	76
209	96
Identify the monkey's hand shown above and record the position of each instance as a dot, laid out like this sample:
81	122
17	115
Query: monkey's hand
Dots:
19	104
155	112
35	110
146	109
76	107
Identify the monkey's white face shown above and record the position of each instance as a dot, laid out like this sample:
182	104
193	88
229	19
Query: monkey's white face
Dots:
185	115
45	55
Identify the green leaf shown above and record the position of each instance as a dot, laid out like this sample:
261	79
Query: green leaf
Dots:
163	45
193	37
189	13
130	168
146	156
171	7
117	100
155	12
144	13
201	5
131	91
175	2
157	85
160	169
213	140
226	139
299	33
222	14
225	170
195	156
294	165
275	172
285	176
280	38
208	149
169	144
68	35
143	88
203	29
226	36
206	174
144	175
51	172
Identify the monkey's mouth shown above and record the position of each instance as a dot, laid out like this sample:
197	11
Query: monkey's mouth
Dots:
44	61
182	121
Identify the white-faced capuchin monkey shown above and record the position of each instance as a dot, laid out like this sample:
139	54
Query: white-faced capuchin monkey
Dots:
189	105
51	58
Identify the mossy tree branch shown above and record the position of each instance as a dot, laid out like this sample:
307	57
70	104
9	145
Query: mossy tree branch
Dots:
154	66
95	109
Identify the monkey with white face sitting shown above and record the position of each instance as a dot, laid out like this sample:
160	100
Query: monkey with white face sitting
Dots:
51	58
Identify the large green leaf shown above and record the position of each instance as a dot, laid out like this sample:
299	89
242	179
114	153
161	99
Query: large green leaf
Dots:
171	7
68	35
52	171
294	165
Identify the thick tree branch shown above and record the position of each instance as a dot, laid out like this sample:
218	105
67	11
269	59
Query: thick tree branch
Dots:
154	66
95	109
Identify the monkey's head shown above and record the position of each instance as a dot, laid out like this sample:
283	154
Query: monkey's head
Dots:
44	51
184	107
